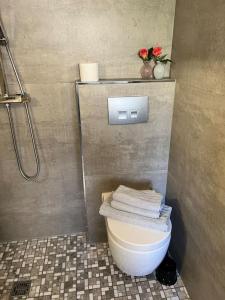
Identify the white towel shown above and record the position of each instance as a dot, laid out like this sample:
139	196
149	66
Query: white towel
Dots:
161	224
146	199
135	210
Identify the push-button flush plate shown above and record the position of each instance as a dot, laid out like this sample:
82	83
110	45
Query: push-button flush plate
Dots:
128	110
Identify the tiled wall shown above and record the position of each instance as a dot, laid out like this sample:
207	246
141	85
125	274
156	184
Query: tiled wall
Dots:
135	155
48	39
197	162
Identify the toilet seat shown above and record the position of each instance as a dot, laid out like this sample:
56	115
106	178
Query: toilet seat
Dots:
137	238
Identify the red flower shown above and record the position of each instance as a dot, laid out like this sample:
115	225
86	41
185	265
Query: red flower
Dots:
143	53
157	51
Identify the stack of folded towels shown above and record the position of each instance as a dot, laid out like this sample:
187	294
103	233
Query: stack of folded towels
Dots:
138	207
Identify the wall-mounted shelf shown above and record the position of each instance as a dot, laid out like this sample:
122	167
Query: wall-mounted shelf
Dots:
124	81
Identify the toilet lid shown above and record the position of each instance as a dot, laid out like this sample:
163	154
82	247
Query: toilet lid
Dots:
136	237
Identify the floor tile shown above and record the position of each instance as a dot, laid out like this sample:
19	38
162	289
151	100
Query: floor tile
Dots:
68	267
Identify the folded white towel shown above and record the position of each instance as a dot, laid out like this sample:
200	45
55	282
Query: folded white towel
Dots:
135	210
146	199
161	224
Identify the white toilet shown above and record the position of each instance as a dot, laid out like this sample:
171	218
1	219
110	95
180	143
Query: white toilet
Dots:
136	250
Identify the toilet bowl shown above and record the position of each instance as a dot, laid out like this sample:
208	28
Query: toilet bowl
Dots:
136	250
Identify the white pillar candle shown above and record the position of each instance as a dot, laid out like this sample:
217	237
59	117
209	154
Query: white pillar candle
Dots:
89	72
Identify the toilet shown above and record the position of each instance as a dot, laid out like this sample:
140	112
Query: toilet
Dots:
136	250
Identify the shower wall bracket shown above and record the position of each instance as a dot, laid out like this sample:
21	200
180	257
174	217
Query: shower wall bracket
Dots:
18	98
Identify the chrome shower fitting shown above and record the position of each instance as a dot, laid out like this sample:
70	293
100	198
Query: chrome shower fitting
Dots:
8	100
18	98
3	40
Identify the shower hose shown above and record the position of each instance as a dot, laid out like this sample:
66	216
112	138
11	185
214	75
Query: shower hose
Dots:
29	121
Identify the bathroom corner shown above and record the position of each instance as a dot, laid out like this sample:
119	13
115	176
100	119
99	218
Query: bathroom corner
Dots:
98	97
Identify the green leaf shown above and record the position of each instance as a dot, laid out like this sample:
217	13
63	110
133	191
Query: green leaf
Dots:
164	61
150	52
163	56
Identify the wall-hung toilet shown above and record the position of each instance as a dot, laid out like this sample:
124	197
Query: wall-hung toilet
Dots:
136	250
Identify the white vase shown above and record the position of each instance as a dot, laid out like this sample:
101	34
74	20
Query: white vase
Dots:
159	70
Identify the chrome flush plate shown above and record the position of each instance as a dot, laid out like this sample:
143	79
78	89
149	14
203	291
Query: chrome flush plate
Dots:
128	110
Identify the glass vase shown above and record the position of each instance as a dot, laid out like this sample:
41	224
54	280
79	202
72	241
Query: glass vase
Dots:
147	69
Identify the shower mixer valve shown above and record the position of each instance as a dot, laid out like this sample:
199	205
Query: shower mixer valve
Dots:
3	40
18	98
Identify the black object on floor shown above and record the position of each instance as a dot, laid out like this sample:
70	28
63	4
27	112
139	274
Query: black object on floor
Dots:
166	273
21	288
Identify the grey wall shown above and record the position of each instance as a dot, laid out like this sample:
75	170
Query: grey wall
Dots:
2	82
197	162
48	40
135	155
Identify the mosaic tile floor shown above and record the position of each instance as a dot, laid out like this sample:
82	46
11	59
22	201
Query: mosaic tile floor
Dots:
68	267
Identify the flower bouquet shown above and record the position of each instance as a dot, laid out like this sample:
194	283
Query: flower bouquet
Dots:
153	57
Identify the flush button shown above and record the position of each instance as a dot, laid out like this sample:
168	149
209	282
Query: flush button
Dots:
128	110
133	114
122	115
